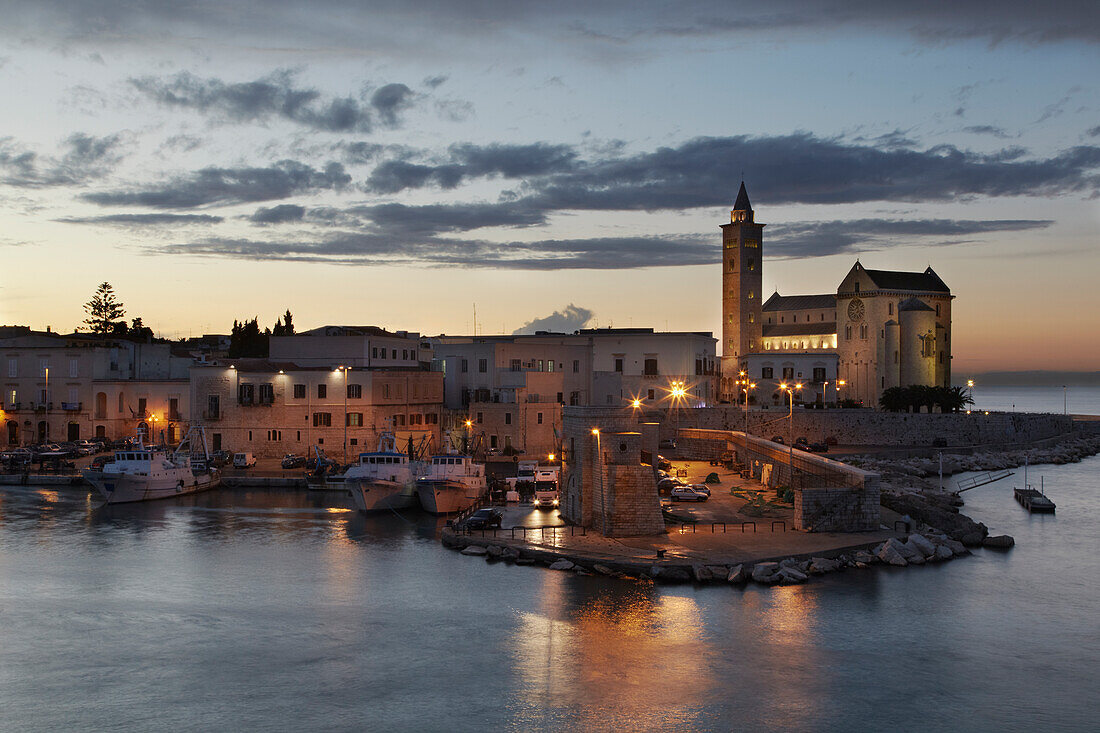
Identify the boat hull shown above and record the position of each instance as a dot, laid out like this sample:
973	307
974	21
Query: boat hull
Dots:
378	496
444	497
122	488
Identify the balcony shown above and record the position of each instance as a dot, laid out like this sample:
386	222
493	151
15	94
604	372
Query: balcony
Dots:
14	407
72	406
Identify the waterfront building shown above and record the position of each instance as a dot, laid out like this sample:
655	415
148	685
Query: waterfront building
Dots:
67	387
271	408
354	346
512	388
880	329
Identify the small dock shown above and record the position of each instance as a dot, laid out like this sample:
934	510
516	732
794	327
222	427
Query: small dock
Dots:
1034	501
981	480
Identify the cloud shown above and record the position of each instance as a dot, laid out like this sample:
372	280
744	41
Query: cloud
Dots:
822	238
228	186
144	220
276	96
278	214
569	319
465	161
83	158
998	132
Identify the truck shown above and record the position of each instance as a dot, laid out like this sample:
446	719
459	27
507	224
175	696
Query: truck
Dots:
546	488
525	474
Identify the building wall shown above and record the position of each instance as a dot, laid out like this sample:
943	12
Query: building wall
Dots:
742	265
406	402
332	346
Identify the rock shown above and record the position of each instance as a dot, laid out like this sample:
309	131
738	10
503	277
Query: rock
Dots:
860	564
701	573
562	564
862	556
670	574
1001	541
737	575
765	572
889	554
495	550
718	571
956	547
922	544
509	553
822	565
475	550
525	561
603	569
943	552
907	550
792	575
916	560
972	539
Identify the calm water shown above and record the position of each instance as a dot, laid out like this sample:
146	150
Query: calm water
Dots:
1075	399
233	611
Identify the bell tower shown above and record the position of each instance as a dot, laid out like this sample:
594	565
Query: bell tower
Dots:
742	258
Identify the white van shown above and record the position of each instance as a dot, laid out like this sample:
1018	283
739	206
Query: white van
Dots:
243	460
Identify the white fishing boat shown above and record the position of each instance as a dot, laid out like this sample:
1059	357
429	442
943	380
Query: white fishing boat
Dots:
450	484
140	473
383	479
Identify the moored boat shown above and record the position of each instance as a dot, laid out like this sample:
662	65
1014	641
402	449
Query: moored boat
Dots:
450	484
383	479
140	473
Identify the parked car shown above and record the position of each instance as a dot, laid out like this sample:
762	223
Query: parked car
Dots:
484	518
686	493
86	447
702	489
243	460
669	483
293	461
663	463
778	439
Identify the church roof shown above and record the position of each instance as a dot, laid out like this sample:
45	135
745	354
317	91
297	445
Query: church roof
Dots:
913	304
893	280
798	329
799	302
742	203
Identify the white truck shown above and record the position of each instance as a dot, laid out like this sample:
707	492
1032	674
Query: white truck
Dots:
546	488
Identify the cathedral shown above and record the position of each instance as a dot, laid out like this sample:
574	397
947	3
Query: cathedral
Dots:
880	329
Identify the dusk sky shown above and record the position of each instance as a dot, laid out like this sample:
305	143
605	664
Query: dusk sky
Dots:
557	164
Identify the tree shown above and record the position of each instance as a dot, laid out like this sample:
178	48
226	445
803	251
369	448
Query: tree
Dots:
284	326
246	340
104	310
140	330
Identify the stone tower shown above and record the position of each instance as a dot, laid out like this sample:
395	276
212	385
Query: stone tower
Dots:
741	286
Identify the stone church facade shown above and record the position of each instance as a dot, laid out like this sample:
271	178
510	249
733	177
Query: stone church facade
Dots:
880	329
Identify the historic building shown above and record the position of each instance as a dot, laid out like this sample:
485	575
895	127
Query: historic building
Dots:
880	329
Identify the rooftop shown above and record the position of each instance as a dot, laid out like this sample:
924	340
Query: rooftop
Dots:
927	281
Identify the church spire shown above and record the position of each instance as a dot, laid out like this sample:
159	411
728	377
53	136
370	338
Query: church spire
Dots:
742	203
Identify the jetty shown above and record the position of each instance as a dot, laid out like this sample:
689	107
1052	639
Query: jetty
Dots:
1034	501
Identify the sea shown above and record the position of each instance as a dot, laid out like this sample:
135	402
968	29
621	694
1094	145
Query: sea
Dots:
263	610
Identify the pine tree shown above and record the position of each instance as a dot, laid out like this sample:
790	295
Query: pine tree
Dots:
104	310
288	323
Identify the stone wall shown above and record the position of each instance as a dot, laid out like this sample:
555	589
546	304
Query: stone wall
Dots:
838	509
868	427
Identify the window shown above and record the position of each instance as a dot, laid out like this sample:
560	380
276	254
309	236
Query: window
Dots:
788	372
273	435
480	418
847	332
385	391
619	364
750	264
355	391
322	391
246	394
649	395
374	352
322	419
75	363
651	367
213	406
794	318
355	419
465	366
550	365
766	373
13	367
507	418
576	366
698	366
492	441
819	374
267	393
73	398
395	353
541	365
299	391
404	354
43	367
863	331
889	309
752	318
539	418
516	365
937	310
483	365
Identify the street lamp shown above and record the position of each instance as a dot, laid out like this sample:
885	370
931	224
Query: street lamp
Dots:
47	401
466	440
839	383
790	389
345	369
747	385
970	386
1065	404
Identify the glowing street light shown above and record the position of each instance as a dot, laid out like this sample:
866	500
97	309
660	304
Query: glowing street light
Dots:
790	389
970	386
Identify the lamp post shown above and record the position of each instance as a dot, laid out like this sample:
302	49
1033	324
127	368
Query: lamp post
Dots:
345	369
599	471
466	440
747	386
839	383
47	401
1065	403
970	386
790	389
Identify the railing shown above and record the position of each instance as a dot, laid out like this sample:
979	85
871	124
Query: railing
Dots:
726	526
541	529
72	406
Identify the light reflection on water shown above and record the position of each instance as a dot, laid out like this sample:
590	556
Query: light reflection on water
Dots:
264	610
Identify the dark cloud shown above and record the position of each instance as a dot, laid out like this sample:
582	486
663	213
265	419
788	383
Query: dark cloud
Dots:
278	214
612	26
228	186
1093	131
400	219
987	130
276	97
821	238
434	82
797	168
83	158
567	320
144	220
465	161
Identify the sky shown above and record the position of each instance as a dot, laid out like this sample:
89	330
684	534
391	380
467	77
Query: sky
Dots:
409	163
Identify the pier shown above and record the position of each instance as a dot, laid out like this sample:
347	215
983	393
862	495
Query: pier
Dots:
1034	501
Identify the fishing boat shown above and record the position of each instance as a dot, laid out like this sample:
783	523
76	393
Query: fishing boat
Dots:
451	483
141	473
383	479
